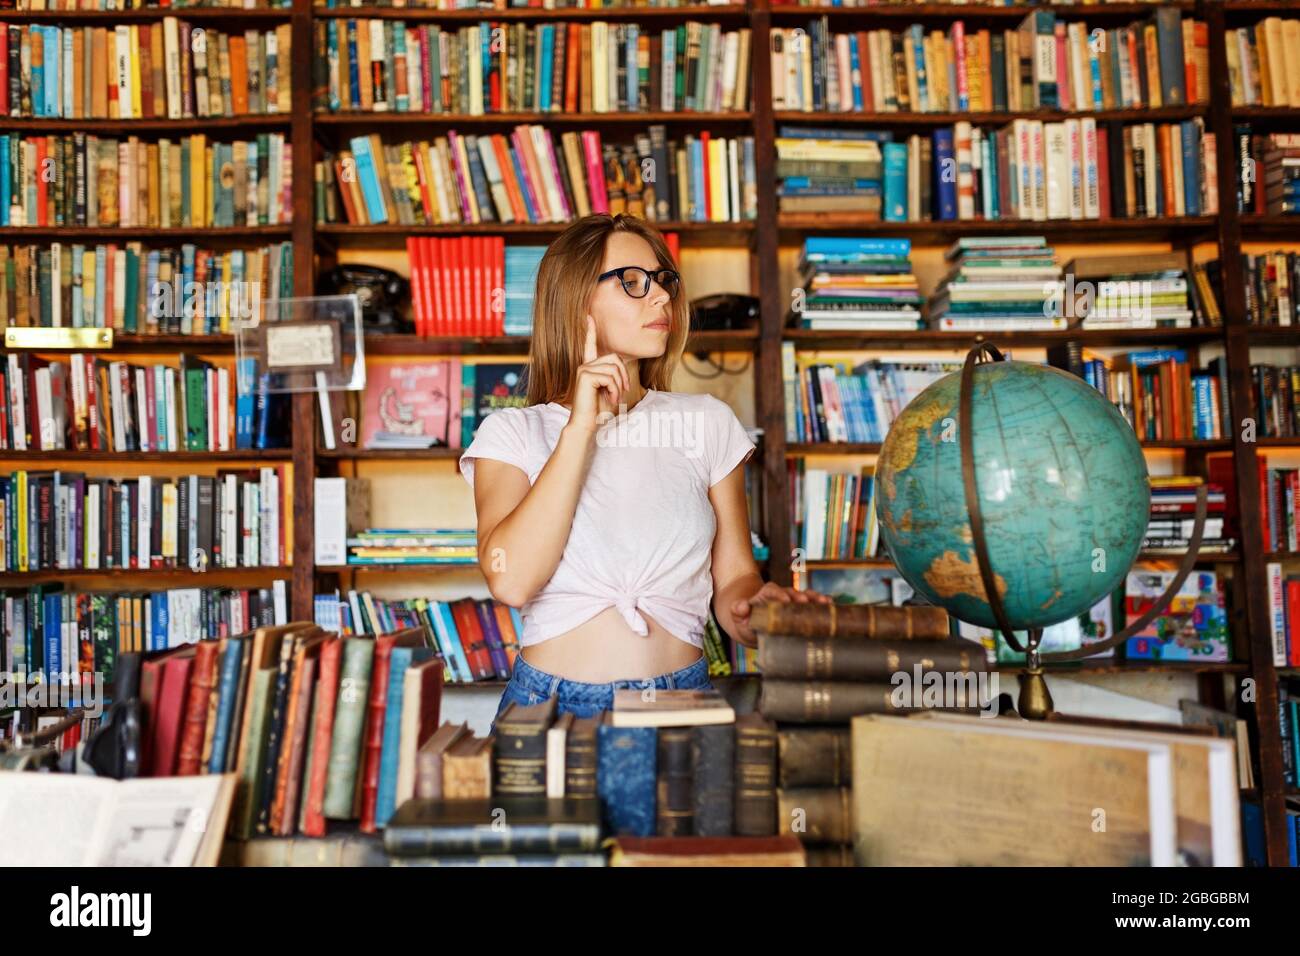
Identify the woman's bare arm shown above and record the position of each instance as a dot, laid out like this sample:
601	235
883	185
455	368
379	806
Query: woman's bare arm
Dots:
521	530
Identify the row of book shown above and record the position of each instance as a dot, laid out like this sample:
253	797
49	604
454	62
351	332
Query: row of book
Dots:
1284	624
81	180
1279	490
835	513
1272	287
61	5
1264	63
514	67
1269	181
56	635
857	283
999	283
91	404
68	520
472	285
170	291
533	176
170	69
1162	396
840	401
1044	63
1288	706
1173	517
1277	400
1029	169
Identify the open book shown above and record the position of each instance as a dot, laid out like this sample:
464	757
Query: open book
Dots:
77	820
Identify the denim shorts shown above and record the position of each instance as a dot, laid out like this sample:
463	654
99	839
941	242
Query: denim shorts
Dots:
530	685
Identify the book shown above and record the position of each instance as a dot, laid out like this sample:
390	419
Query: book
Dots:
503	824
669	708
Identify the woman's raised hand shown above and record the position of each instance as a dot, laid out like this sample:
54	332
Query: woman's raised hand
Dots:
598	385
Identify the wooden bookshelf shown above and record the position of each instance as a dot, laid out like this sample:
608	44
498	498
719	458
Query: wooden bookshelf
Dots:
764	237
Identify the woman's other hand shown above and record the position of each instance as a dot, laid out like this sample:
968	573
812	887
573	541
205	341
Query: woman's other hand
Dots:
769	592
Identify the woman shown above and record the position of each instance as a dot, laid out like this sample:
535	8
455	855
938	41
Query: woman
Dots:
610	510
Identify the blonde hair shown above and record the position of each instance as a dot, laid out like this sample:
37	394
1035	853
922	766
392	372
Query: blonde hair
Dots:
566	279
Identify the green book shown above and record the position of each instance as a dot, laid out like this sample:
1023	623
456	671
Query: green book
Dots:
248	794
349	721
132	291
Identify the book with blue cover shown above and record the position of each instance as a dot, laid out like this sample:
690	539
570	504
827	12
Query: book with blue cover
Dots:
625	778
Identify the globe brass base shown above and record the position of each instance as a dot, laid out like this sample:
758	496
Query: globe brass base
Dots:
1035	699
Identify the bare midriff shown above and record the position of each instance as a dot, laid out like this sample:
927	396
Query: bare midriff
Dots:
605	649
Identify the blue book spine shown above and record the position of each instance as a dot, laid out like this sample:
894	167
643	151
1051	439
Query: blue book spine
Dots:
161	612
855	64
1095	68
402	101
445	625
262	406
4	180
229	681
945	175
625	778
354	75
1204	418
53	626
386	796
808	132
917	40
66	73
633	73
1156	356
369	179
847	246
53	60
805	182
246	376
332	44
895	182
697	181
38	74
1191	167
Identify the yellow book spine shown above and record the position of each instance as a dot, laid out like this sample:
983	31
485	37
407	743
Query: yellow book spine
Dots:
136	109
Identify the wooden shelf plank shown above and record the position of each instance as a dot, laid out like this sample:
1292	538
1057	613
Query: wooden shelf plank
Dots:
154	233
687	12
809	339
947	12
899	119
257	121
352	118
73	456
1164	228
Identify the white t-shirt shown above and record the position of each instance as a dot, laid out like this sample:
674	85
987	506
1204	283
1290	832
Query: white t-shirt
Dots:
642	534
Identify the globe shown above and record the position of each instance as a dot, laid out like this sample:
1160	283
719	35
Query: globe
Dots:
1062	485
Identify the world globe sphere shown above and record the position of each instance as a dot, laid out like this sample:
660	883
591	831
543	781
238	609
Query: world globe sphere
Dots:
1062	484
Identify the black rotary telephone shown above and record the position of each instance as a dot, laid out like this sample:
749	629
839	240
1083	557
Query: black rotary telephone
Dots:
380	291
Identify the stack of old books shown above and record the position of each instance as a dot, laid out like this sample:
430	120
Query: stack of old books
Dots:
824	663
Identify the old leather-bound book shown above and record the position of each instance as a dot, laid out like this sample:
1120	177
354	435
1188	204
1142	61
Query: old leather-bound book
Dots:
814	757
376	714
674	792
852	620
202	679
520	766
713	776
428	762
580	758
706	851
796	701
755	776
493	825
467	768
341	776
816	814
862	658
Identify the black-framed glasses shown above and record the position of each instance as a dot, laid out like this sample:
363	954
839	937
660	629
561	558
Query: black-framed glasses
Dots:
636	281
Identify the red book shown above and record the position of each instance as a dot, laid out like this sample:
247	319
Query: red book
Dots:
328	685
202	679
451	269
573	45
1269	544
433	304
4	69
168	712
472	638
417	296
1292	586
146	72
468	307
373	735
864	62
707	211
499	285
42	209
483	263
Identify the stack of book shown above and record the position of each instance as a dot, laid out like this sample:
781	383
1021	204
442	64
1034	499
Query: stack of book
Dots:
839	401
477	638
123	286
1163	60
1268	162
1161	395
822	664
1194	625
413	546
837	514
1173	516
1108	292
1281	167
83	180
69	520
830	170
52	634
454	282
857	284
315	727
1262	61
1277	400
169	68
536	175
999	284
1271	283
515	67
89	404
